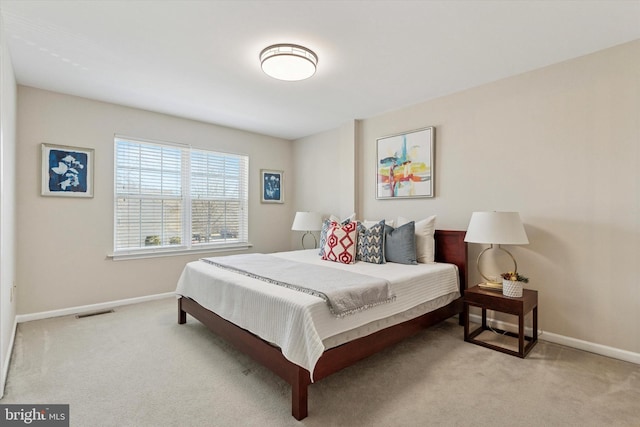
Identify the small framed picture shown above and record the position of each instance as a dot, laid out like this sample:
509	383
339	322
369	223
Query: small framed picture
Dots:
67	171
404	165
272	186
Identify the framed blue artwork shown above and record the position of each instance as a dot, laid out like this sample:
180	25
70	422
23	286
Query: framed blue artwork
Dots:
67	171
272	186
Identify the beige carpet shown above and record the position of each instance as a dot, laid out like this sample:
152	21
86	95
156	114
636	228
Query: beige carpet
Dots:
138	367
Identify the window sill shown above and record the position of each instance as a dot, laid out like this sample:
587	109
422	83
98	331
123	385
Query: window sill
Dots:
142	254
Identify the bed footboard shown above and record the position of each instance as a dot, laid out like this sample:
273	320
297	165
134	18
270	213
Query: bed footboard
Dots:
332	360
258	349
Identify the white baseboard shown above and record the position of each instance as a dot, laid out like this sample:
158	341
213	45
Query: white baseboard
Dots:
616	353
7	358
602	350
21	318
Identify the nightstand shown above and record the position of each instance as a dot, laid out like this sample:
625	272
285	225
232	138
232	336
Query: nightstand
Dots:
492	300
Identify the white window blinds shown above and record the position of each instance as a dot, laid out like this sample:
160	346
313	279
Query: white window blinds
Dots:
171	197
219	199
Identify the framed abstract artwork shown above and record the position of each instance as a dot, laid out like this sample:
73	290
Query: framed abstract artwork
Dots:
67	171
272	186
405	165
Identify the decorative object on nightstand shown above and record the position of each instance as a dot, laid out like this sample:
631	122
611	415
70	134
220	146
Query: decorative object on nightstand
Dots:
513	283
307	222
495	228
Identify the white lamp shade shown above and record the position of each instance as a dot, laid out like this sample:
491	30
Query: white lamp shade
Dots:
503	228
307	221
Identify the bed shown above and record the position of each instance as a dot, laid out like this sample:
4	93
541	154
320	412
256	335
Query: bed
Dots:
338	348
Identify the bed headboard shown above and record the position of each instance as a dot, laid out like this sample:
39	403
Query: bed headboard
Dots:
451	248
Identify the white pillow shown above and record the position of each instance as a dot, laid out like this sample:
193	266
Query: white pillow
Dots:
425	242
368	224
350	218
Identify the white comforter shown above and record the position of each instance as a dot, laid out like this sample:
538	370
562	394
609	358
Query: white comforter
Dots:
298	322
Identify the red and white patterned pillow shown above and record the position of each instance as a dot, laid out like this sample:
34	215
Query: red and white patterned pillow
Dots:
341	242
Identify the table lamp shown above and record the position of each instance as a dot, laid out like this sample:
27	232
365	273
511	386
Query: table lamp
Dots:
496	228
308	222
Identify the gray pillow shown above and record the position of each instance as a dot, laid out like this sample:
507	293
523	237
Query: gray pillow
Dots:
400	244
323	235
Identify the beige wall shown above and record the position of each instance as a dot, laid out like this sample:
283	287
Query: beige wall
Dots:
64	242
561	146
315	190
7	205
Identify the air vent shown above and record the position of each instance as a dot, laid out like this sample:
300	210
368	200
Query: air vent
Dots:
95	313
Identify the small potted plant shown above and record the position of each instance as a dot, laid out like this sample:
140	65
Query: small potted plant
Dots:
512	284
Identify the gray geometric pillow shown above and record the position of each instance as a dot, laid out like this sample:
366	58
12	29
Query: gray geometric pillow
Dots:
371	243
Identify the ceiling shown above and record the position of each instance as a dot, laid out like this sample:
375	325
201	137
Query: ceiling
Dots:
199	59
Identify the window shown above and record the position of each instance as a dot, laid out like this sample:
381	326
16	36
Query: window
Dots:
174	197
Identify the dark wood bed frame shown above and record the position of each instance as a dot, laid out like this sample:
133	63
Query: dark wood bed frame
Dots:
450	247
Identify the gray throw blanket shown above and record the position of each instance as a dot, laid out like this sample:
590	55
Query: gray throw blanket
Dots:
345	292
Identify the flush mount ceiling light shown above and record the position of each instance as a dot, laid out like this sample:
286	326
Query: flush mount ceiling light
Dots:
288	62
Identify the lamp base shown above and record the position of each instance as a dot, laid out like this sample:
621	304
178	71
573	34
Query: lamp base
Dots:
315	241
491	283
489	286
